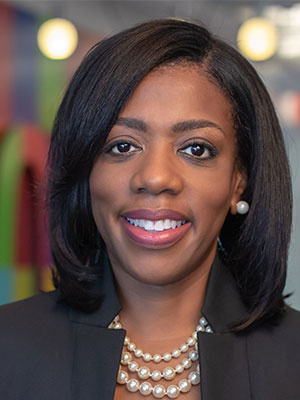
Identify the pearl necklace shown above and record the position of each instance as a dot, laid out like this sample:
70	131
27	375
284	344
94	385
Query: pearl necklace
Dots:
168	373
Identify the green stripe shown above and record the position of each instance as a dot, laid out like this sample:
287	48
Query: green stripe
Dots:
10	175
51	80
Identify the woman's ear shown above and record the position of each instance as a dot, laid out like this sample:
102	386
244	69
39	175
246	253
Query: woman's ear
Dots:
239	188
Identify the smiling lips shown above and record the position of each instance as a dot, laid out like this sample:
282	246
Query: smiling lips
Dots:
155	229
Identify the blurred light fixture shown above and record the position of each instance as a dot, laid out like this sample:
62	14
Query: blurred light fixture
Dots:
288	105
257	39
57	38
287	19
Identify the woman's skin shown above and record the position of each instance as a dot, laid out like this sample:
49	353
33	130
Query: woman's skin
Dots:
175	150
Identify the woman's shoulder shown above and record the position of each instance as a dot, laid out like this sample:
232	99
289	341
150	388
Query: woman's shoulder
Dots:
30	316
289	324
34	341
285	326
277	340
292	316
274	356
34	301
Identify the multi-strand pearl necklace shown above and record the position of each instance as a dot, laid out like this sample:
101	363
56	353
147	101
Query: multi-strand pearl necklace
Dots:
168	373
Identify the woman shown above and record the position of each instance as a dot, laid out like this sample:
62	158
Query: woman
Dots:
170	211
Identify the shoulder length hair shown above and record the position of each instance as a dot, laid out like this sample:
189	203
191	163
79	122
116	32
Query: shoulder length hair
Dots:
256	244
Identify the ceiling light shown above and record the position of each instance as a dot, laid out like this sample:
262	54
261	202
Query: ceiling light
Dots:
57	38
257	39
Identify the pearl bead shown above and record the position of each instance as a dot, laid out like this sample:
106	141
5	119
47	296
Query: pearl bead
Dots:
168	373
193	355
132	385
167	356
126	358
157	358
179	368
144	373
242	207
176	353
145	388
184	348
190	341
158	391
194	378
156	375
173	392
131	346
138	353
133	366
187	363
184	385
147	357
122	377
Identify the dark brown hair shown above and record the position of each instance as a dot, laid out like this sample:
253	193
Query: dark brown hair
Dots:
256	245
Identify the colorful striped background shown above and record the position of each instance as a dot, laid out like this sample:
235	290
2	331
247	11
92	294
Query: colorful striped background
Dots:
31	88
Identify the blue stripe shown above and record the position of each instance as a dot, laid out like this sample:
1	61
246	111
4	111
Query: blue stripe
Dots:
6	284
25	65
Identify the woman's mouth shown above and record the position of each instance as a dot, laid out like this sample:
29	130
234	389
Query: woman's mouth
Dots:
155	233
156	226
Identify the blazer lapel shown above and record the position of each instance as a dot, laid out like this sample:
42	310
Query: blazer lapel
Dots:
96	349
223	355
223	367
96	362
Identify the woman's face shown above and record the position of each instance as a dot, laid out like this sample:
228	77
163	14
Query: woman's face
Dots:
168	161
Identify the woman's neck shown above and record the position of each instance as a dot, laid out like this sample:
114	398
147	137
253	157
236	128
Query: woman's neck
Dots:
172	311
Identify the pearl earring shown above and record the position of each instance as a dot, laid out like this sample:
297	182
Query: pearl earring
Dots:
242	207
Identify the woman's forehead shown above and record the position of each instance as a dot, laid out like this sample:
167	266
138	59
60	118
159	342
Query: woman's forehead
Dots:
177	93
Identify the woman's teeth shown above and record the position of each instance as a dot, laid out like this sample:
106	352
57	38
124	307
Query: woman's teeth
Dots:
158	226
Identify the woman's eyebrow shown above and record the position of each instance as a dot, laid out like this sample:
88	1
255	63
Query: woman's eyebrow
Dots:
132	123
179	127
193	124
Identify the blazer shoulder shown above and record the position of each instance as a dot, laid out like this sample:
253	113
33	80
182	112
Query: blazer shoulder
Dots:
33	301
274	358
35	341
34	316
278	340
284	330
40	304
290	323
293	314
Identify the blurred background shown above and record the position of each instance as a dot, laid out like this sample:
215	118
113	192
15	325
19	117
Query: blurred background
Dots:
41	45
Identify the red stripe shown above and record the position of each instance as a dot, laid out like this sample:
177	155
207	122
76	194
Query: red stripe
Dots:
6	65
32	242
36	156
24	245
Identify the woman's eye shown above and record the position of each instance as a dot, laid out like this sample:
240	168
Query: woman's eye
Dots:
122	148
199	150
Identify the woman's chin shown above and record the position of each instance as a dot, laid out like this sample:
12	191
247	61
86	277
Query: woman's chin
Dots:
158	276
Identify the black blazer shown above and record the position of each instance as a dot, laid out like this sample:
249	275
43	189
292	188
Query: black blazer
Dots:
51	352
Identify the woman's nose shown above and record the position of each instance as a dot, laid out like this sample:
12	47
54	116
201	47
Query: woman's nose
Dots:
157	172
